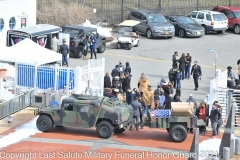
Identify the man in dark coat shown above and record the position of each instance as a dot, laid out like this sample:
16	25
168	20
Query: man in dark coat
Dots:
128	68
64	50
107	81
197	74
175	60
115	72
137	109
172	76
126	82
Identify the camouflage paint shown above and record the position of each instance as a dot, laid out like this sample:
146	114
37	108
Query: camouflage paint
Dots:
98	109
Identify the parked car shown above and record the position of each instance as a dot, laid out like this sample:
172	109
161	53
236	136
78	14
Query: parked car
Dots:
233	15
186	27
210	20
153	24
77	33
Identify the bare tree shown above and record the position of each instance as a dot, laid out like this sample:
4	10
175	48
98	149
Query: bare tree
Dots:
60	14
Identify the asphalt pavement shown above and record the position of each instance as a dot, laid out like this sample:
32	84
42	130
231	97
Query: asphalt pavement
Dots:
153	57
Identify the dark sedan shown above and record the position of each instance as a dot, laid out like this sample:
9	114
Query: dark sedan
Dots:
186	27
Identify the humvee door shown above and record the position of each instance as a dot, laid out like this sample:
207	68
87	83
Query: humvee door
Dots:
86	114
69	115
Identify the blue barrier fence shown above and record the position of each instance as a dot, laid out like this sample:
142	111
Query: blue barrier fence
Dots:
45	77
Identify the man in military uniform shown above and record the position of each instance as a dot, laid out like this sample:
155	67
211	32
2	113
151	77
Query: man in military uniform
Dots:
137	107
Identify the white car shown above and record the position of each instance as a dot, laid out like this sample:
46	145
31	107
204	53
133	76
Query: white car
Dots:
210	20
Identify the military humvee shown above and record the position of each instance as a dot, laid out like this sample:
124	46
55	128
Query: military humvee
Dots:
181	119
108	115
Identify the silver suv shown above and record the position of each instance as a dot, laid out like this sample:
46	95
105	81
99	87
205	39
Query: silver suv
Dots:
153	24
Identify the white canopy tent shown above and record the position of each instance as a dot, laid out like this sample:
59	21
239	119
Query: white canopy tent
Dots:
29	52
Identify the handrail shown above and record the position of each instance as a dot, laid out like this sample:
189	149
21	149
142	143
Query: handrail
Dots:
10	107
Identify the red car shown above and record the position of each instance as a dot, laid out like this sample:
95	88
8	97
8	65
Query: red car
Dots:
233	15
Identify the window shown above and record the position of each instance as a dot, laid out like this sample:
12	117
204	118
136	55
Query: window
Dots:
193	15
1	24
12	23
156	18
136	15
237	14
200	15
68	106
84	108
144	18
173	19
219	17
208	16
230	14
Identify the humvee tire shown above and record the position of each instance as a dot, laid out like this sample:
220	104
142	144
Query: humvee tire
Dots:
44	123
178	133
121	130
105	129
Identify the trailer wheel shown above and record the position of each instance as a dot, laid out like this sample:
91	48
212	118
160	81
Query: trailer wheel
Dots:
178	133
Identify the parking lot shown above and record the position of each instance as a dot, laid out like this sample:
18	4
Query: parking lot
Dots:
154	58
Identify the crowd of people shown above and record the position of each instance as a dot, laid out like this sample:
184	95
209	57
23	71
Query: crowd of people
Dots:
143	98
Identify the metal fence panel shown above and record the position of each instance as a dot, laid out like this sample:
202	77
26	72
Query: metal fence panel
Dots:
16	104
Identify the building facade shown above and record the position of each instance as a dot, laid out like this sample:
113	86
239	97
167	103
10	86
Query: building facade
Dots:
16	14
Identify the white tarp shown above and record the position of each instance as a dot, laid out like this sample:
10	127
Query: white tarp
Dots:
29	52
101	31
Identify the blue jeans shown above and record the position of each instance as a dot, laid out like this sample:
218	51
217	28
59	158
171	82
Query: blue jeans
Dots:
64	59
178	83
187	71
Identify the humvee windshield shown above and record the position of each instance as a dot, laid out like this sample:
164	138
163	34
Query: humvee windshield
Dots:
72	32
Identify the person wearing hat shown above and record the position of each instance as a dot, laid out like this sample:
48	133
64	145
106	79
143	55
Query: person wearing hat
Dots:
191	99
197	74
178	79
64	50
188	66
93	42
230	77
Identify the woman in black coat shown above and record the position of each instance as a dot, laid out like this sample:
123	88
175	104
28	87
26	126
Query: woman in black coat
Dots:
182	64
128	69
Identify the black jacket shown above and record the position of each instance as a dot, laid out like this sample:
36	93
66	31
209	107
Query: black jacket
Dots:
168	104
64	50
196	71
107	82
189	61
214	115
115	72
171	74
128	68
126	83
174	61
182	64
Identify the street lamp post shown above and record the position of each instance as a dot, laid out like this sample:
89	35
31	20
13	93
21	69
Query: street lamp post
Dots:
210	50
